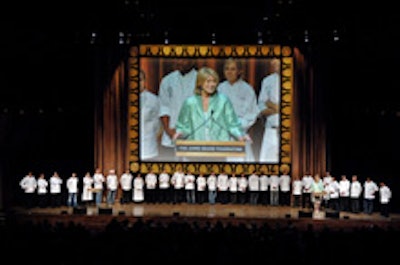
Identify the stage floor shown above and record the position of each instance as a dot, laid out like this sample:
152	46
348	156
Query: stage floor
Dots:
98	217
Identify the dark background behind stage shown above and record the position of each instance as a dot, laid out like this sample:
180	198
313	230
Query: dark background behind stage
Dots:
48	75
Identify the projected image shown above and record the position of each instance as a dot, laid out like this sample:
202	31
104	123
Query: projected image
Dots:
210	109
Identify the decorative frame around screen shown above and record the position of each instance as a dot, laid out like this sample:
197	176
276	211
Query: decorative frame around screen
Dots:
285	53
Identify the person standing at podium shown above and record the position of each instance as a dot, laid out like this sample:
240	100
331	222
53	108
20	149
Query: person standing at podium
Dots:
317	192
208	115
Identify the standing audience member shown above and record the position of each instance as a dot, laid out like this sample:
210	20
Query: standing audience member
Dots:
29	184
126	183
87	191
370	189
73	189
355	194
55	190
385	194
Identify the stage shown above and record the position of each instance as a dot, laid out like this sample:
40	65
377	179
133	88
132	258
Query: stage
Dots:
97	218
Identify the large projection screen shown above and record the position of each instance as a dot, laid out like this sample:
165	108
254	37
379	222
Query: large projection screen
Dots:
159	61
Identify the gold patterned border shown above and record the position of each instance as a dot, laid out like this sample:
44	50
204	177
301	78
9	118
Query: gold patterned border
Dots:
215	51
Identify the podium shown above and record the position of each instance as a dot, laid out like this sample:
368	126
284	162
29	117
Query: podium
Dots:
317	199
210	148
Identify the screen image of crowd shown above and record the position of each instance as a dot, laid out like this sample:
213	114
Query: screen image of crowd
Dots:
242	104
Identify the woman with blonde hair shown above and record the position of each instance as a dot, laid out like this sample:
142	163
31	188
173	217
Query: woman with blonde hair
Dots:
208	115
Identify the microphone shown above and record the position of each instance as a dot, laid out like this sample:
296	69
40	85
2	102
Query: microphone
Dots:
201	125
221	126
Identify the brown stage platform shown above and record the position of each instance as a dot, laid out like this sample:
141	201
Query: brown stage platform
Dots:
94	217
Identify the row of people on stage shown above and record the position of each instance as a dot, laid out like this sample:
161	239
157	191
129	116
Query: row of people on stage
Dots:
349	195
179	187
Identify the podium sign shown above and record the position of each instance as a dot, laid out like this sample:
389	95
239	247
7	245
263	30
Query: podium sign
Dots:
210	148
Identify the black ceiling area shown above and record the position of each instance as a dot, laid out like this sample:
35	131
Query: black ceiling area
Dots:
41	32
195	22
46	66
43	41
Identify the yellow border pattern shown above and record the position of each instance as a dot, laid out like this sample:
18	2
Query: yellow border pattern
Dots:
215	51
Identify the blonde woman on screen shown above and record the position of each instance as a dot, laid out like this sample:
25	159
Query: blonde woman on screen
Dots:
208	115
